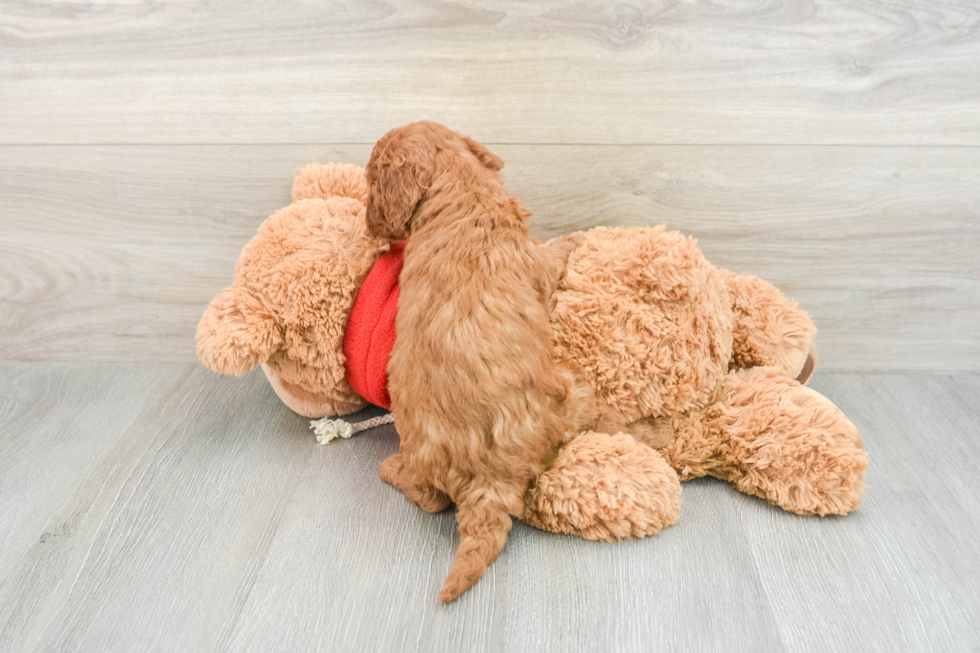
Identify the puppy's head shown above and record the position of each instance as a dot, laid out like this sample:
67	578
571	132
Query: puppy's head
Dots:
402	167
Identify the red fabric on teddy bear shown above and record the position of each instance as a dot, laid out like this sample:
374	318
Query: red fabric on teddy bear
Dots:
370	334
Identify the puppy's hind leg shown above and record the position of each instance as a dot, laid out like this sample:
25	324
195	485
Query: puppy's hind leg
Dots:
395	470
483	528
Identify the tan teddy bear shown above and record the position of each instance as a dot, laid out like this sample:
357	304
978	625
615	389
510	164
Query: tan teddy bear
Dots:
703	362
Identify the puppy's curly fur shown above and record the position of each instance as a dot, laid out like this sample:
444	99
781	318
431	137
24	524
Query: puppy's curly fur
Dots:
478	401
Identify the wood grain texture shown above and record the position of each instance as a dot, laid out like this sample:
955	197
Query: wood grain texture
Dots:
175	520
559	71
202	515
111	253
918	544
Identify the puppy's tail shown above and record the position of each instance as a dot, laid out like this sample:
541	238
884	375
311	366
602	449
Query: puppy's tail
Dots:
483	528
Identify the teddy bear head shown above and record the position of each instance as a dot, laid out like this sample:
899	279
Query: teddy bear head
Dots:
295	286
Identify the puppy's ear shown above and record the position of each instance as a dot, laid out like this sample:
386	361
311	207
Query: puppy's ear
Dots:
396	183
236	333
486	157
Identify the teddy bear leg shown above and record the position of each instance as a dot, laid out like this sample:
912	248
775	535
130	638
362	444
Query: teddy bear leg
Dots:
395	471
769	328
604	487
775	439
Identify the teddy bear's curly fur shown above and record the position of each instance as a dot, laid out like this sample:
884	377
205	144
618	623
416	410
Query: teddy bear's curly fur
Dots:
703	361
295	284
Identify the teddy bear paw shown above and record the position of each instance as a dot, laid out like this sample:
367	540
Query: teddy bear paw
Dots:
605	487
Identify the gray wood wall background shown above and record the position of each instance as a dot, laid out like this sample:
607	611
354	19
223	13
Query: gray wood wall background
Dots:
831	147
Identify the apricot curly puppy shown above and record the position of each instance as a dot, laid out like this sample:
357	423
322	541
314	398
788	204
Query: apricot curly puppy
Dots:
477	399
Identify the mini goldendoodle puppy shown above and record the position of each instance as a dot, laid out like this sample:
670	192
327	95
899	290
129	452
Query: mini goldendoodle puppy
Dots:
478	402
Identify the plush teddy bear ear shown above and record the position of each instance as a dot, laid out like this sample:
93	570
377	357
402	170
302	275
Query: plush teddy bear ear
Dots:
236	333
319	181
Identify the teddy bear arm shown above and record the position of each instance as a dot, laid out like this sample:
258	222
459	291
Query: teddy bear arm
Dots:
769	330
604	487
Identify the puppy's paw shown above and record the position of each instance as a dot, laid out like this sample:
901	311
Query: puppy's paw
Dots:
419	492
391	469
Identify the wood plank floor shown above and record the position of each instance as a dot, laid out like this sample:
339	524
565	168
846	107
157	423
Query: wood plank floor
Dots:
160	507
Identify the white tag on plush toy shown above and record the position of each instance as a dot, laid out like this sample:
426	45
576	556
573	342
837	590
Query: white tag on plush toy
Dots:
328	430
